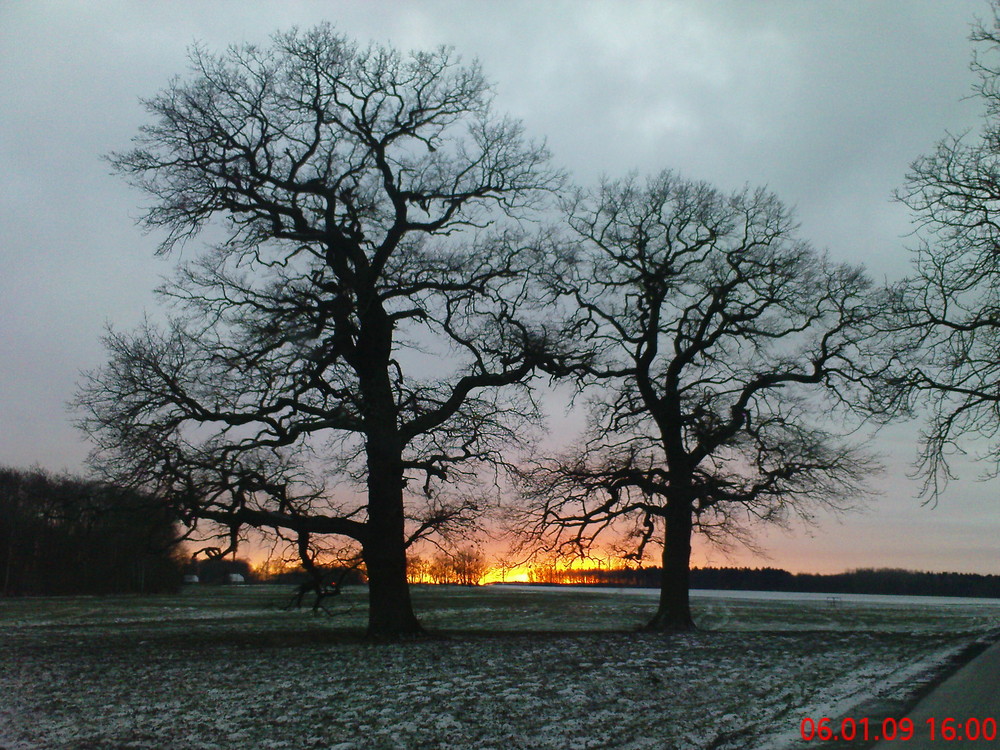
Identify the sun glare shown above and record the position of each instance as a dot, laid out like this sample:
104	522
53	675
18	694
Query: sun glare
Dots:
551	571
519	574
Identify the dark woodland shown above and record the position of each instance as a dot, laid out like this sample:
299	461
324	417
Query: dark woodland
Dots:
66	535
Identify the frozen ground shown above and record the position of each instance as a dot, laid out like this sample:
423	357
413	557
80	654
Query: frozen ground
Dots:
518	668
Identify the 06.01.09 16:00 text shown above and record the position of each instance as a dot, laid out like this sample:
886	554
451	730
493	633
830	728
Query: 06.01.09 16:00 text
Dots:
897	729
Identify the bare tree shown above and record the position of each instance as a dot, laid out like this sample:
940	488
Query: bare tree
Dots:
469	565
336	358
722	347
949	310
465	567
419	569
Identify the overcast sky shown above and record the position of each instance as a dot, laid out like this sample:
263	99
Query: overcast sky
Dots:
826	103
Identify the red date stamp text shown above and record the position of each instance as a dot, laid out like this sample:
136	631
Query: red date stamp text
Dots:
904	729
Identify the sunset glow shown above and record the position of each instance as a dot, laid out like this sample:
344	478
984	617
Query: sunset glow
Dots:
520	574
558	571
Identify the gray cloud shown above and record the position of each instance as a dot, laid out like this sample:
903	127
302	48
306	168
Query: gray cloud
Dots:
826	103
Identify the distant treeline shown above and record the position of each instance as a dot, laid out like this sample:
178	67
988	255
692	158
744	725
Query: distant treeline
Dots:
61	534
861	581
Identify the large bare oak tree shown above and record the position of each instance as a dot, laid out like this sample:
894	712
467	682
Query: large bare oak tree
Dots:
334	360
723	349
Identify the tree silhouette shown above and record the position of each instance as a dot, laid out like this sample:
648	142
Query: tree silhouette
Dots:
948	320
336	360
720	344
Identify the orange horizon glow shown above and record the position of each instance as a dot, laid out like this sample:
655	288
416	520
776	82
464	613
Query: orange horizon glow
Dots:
549	571
797	555
520	574
540	570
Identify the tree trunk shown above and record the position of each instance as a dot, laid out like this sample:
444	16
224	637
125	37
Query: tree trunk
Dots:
390	610
674	613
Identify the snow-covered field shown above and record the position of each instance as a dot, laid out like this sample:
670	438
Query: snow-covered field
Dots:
518	667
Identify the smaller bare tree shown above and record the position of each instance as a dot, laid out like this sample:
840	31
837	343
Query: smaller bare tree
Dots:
469	566
418	569
722	349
